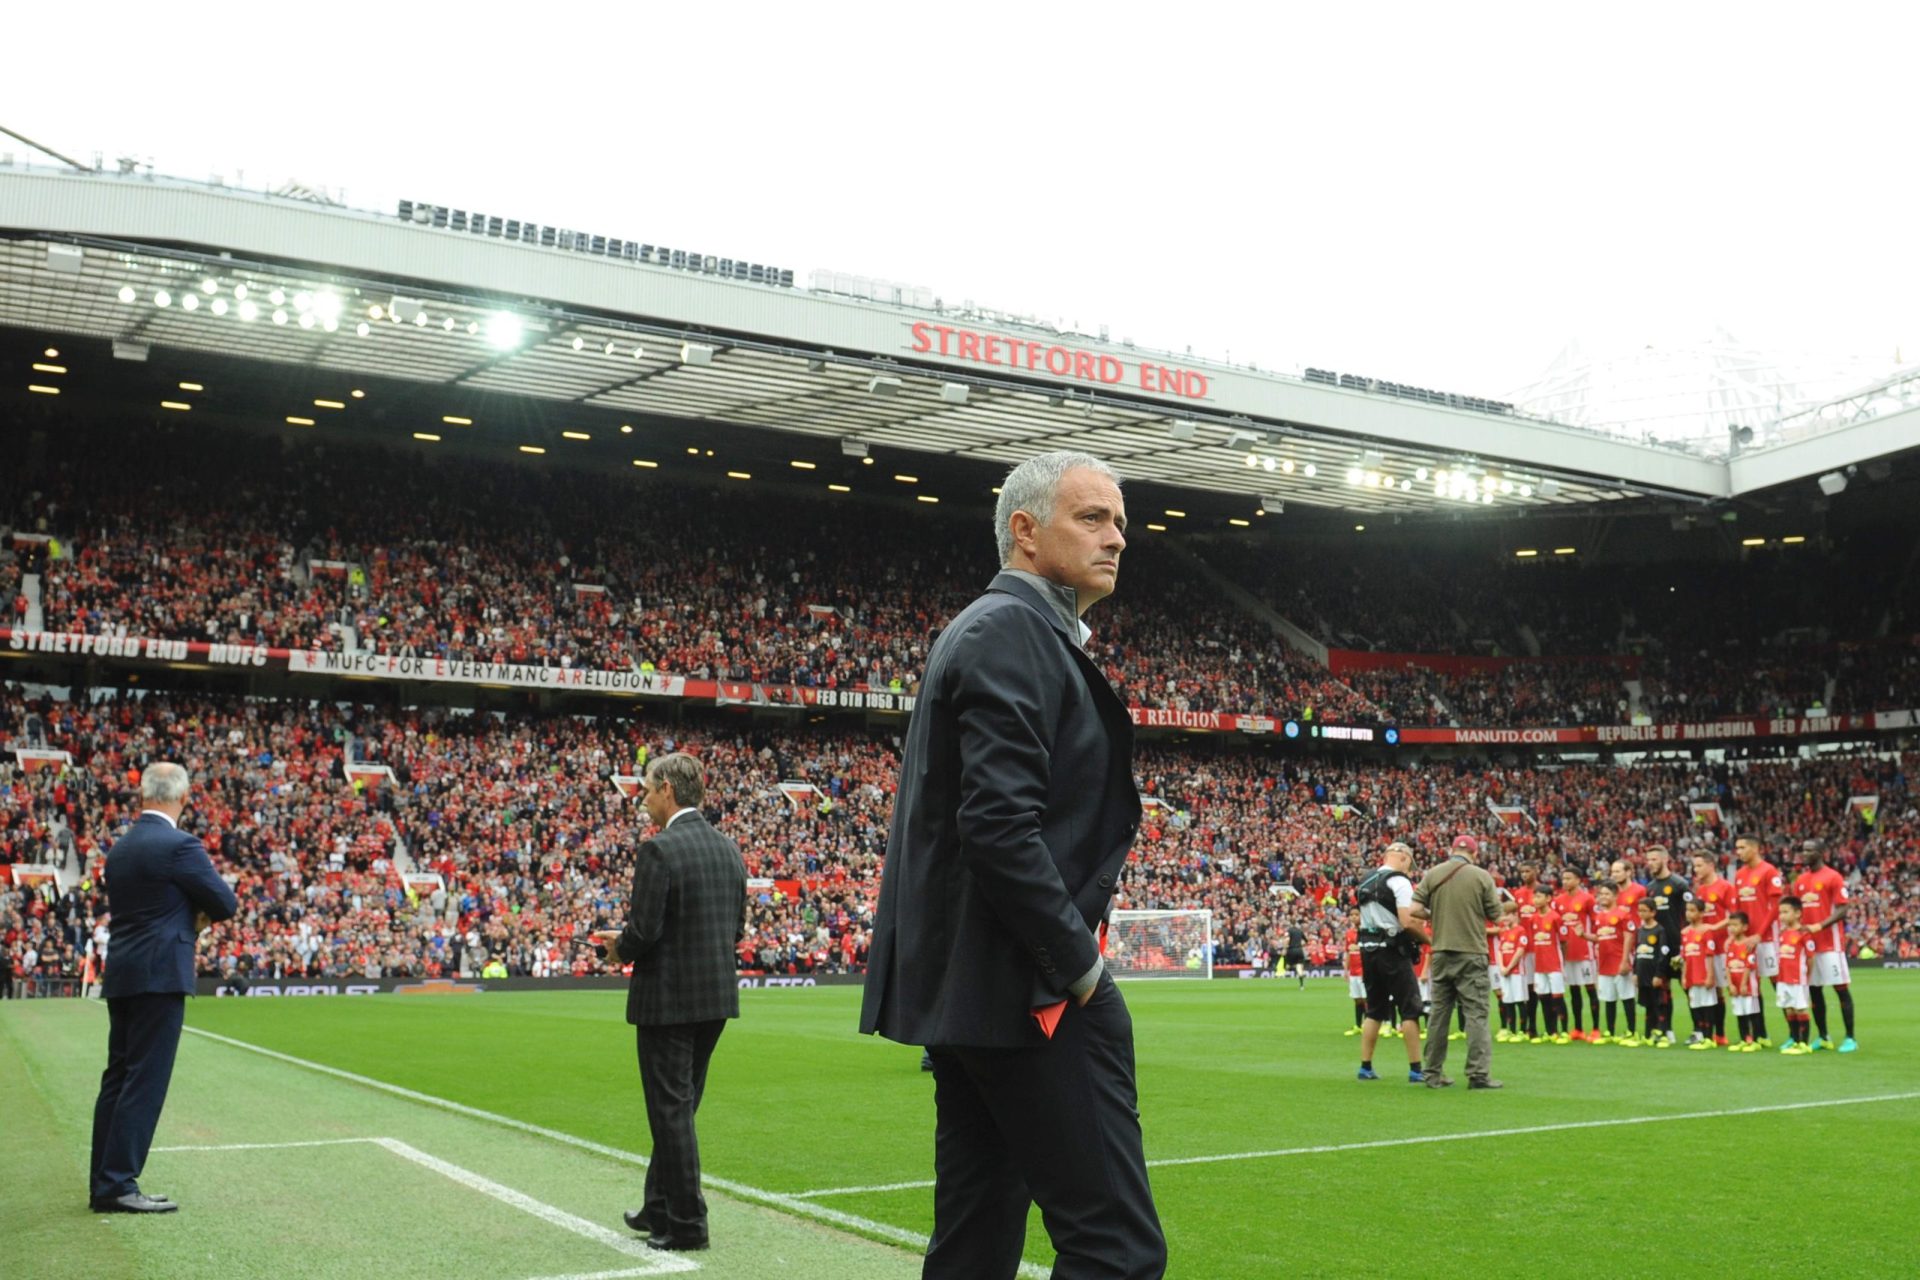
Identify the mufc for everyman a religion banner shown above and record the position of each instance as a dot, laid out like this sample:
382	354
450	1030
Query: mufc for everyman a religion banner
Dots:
1865	808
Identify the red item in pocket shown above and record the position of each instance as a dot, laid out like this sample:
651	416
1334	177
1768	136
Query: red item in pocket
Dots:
1047	1017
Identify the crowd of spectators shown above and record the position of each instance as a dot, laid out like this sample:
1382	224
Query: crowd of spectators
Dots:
296	545
320	548
532	844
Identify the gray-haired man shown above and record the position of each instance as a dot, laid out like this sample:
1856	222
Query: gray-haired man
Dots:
1015	812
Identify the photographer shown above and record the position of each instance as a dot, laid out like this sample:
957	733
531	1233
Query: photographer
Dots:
1390	938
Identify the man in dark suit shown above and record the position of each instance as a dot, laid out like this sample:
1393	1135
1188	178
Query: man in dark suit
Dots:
687	916
1015	812
161	891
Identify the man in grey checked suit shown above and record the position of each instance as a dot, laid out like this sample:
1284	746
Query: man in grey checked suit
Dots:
687	916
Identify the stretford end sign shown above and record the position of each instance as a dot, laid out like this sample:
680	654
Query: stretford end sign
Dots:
1028	355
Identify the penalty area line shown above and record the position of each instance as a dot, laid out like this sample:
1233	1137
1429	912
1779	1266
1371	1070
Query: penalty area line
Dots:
1423	1139
793	1205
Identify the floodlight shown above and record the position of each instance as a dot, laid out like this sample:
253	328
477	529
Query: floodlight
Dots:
127	294
1183	429
504	330
953	392
1833	483
695	353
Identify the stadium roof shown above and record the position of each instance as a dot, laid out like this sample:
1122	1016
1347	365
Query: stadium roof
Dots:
93	254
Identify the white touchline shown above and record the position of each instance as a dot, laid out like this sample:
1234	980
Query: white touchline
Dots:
790	1204
1431	1137
657	1263
627	1244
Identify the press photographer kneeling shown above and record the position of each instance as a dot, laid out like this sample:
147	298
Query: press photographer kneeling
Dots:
1390	936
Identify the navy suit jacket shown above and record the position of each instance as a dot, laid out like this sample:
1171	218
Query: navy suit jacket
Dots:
157	877
1015	813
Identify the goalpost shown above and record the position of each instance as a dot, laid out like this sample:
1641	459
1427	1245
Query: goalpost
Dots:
1160	944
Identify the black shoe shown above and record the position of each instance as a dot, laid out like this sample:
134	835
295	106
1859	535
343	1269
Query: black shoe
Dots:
638	1220
676	1244
1485	1084
134	1202
1435	1080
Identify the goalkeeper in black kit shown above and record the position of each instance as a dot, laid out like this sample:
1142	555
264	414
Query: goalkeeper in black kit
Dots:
1653	974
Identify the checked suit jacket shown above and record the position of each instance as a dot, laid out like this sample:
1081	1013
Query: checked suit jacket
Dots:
687	917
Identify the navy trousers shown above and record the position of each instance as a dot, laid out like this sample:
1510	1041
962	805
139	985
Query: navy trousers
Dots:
143	1035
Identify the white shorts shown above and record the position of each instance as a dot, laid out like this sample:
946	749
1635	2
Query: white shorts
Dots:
1513	989
1720	971
1744	1006
1702	997
1579	973
1769	953
1791	995
1357	987
1614	987
1550	984
1829	969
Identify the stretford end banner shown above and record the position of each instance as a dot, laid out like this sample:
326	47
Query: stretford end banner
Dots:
654	684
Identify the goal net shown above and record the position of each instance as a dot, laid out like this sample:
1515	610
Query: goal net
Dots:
1160	944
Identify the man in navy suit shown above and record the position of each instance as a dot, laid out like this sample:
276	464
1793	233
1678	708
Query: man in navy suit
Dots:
161	891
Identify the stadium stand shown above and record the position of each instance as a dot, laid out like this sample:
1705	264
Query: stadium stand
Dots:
532	846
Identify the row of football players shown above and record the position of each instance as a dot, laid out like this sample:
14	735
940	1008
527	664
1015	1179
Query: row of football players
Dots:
1633	946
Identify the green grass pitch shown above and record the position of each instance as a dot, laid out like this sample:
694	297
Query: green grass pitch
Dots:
1239	1081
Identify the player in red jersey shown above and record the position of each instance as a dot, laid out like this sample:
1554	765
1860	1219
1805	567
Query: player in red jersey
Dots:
1574	905
1549	978
1758	886
1612	929
1699	948
1823	911
1627	890
1717	897
1790	989
1743	982
1356	984
1508	945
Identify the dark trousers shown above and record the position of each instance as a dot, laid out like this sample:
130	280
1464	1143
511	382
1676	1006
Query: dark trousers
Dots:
673	1076
1056	1125
143	1033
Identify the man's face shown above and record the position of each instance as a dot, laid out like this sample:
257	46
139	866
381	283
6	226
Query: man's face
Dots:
1620	874
1813	857
1399	860
1569	882
1703	871
1748	851
1656	863
657	796
1079	545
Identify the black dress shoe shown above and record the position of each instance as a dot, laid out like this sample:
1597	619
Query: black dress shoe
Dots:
1485	1084
134	1202
677	1244
638	1220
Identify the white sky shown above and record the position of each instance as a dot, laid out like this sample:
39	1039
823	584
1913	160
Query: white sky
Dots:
1412	195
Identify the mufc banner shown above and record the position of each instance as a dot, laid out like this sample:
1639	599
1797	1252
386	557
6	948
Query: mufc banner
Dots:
627	784
1706	813
1865	808
512	675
